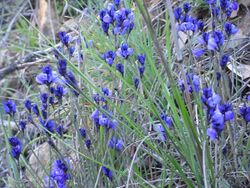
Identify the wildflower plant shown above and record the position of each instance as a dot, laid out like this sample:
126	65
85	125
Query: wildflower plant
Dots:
116	111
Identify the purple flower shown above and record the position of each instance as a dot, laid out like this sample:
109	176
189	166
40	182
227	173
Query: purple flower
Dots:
141	70
187	26
224	60
88	143
186	7
59	173
211	45
117	2
218	121
198	52
60	91
141	58
200	25
28	105
82	132
109	57
35	109
226	109
120	68
136	82
44	97
213	101
177	13
62	67
9	107
212	133
115	143
16	147
230	28
60	130
71	50
216	11
162	136
167	120
48	125
107	172
64	37
22	124
47	76
106	92
124	21
245	112
124	51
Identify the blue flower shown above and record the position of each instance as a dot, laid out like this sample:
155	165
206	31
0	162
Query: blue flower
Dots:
120	68
44	97
48	125
124	51
109	57
224	60
186	7
177	13
22	124
82	132
136	82
9	107
218	121
35	109
213	101
212	133
245	112
16	147
187	26
200	25
124	21
198	52
28	105
60	130
47	76
60	91
115	143
71	50
226	110
162	136
230	28
141	70
107	172
167	120
64	37
141	58
207	93
117	2
88	143
62	67
59	173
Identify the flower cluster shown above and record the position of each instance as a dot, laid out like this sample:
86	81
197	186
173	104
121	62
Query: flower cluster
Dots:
214	40
101	119
217	114
185	21
107	172
226	6
16	147
59	173
115	143
121	19
193	83
9	107
245	112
